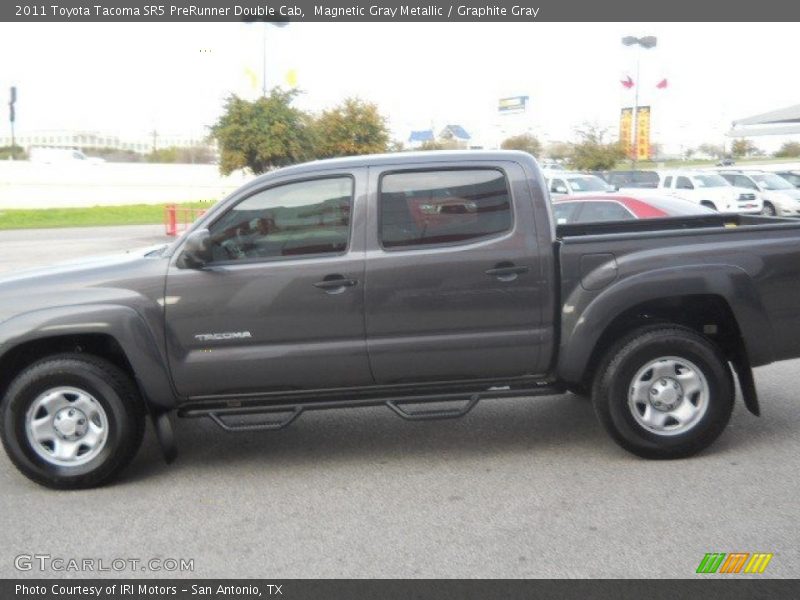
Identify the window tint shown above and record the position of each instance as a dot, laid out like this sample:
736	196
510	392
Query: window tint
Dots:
742	181
564	212
603	211
668	181
683	183
557	186
437	207
307	217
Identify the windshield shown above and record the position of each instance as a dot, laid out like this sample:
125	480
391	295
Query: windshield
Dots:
772	182
588	183
709	181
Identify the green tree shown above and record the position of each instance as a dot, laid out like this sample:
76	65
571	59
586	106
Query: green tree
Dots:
789	150
742	147
263	134
558	150
353	127
712	150
525	141
592	152
13	152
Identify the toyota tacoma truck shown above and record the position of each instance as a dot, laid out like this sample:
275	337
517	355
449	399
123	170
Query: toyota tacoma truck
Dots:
424	282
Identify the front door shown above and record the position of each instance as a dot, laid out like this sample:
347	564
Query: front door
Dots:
281	305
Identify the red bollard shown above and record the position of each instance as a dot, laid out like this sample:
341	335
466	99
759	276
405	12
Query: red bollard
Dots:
171	219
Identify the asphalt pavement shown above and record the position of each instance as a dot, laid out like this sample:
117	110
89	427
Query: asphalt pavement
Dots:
527	487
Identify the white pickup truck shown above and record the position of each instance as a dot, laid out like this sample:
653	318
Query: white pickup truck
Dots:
711	190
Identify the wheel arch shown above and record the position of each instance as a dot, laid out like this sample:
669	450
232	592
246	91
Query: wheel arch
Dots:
117	334
719	302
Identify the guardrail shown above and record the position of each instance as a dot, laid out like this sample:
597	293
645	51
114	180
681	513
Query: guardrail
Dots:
178	218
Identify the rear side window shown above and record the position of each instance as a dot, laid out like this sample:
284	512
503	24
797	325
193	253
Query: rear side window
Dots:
424	208
668	181
603	211
564	212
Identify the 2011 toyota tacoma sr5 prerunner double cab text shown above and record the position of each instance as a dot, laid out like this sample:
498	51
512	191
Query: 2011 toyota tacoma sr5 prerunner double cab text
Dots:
405	280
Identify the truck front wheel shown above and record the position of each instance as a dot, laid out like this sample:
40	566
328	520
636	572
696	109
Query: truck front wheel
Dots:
664	392
71	421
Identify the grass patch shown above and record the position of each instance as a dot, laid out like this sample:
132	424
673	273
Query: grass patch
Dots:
92	216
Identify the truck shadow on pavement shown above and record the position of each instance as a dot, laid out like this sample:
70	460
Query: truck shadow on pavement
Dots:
551	425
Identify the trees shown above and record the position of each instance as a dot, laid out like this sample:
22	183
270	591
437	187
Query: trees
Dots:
712	150
270	132
592	152
525	142
789	150
353	127
266	133
742	147
559	150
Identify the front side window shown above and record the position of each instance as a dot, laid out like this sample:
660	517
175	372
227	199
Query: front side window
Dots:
423	208
296	219
683	183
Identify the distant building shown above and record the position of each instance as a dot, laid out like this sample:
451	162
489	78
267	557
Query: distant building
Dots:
93	139
455	134
418	138
452	136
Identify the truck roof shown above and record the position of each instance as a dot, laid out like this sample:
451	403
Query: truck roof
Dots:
401	158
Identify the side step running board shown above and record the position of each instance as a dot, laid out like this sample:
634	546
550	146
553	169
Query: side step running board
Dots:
269	425
399	405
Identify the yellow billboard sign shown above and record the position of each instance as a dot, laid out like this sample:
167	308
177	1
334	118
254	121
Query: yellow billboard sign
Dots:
643	133
625	126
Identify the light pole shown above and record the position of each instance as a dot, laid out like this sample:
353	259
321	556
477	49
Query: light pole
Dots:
646	42
264	61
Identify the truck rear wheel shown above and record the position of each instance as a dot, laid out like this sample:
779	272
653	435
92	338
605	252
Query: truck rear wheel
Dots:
71	421
664	392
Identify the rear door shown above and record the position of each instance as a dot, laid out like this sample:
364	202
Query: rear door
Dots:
281	306
456	284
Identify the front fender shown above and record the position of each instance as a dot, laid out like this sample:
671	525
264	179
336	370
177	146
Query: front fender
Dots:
122	323
586	315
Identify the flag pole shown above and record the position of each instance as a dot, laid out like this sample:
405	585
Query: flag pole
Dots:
635	119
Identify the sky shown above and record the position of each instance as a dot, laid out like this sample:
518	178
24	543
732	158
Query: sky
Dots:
131	78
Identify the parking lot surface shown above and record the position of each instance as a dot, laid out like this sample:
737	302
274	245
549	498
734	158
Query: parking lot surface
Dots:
518	488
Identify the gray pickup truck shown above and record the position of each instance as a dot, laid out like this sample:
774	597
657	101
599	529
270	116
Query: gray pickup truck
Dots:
422	281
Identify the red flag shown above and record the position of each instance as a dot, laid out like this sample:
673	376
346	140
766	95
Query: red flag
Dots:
627	82
662	85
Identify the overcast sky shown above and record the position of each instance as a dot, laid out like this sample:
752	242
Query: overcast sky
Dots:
128	78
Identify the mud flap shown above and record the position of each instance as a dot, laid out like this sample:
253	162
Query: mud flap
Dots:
165	435
747	383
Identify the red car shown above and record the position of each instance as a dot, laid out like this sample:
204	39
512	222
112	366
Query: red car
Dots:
612	207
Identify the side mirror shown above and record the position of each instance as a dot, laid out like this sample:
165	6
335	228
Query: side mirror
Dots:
196	251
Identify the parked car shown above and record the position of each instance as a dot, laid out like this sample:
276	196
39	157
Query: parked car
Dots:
593	209
405	281
61	156
780	197
630	179
792	177
710	189
571	184
726	162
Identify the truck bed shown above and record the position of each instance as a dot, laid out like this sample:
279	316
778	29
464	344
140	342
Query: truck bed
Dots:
672	224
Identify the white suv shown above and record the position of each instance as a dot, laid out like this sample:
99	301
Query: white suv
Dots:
781	198
710	189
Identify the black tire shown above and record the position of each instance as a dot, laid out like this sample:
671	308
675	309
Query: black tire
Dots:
110	387
616	376
769	210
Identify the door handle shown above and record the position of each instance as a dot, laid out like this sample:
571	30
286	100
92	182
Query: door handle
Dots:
335	284
507	271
